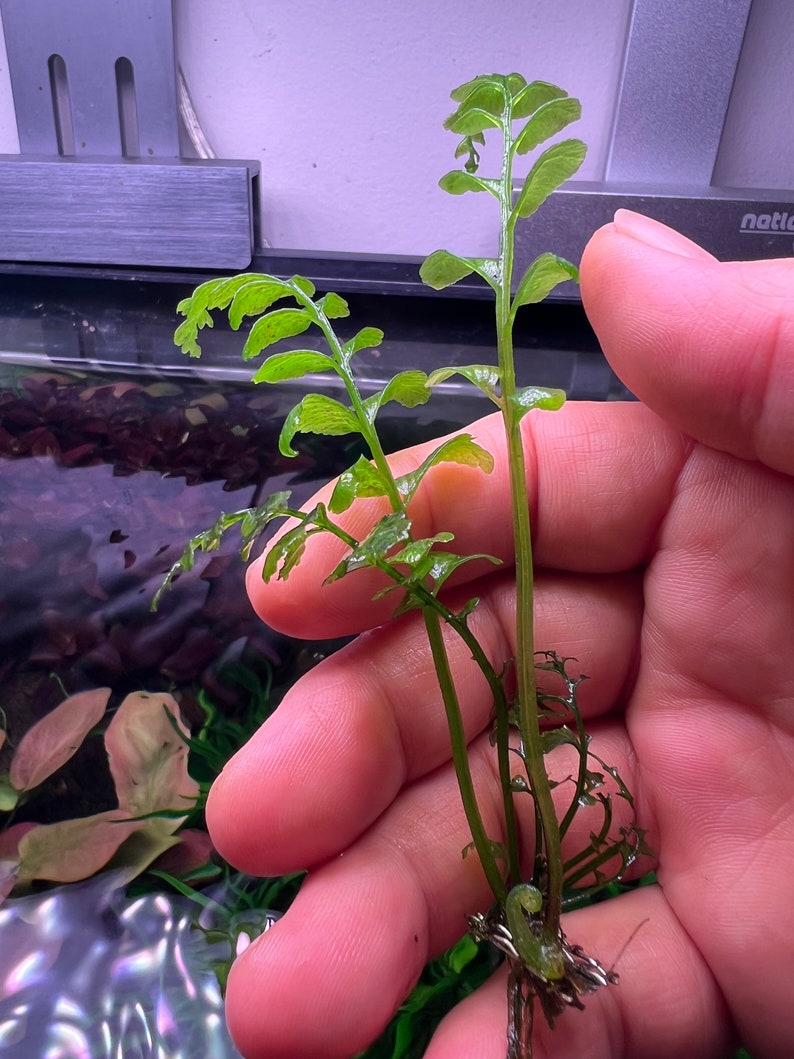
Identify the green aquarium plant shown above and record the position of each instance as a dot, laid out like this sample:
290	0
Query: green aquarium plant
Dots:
535	709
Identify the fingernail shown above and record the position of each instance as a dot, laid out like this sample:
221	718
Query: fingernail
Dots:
654	233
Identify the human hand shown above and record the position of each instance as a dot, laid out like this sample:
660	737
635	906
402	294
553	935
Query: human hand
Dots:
665	564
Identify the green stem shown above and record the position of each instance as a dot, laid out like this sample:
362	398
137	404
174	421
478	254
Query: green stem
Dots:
460	755
367	427
528	719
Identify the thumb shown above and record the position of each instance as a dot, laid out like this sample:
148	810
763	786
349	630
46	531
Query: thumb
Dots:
708	345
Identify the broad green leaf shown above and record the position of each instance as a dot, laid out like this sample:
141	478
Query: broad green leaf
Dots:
533	96
516	83
557	164
389	532
362	479
484	93
333	306
281	323
49	744
148	758
531	397
482	103
255	297
467	120
293	365
366	338
316	414
541	277
547	122
442	269
457	182
484	376
462	449
462	91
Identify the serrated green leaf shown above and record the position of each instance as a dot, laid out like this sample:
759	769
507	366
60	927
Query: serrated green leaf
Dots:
416	551
533	96
387	534
213	294
316	414
457	182
281	323
333	306
186	335
531	397
556	737
442	269
443	564
546	122
465	145
557	164
362	479
282	558
408	388
292	365
254	297
218	293
541	277
366	338
304	285
462	449
484	376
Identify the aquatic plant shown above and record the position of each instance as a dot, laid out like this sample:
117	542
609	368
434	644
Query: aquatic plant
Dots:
147	759
531	720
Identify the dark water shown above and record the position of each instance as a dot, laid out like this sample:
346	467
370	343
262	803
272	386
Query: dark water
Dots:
103	478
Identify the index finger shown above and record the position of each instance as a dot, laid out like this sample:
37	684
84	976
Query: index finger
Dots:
600	479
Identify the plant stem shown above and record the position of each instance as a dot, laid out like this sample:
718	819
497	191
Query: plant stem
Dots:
368	431
528	719
460	756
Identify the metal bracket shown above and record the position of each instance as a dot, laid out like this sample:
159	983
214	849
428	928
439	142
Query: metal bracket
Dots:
100	179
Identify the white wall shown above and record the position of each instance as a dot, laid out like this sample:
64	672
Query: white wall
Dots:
342	102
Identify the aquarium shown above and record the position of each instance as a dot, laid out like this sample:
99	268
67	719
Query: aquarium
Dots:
114	450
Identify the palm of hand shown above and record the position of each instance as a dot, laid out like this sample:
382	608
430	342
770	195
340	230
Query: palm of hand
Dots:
667	568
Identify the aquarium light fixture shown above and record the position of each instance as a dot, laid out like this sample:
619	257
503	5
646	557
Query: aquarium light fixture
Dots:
100	178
